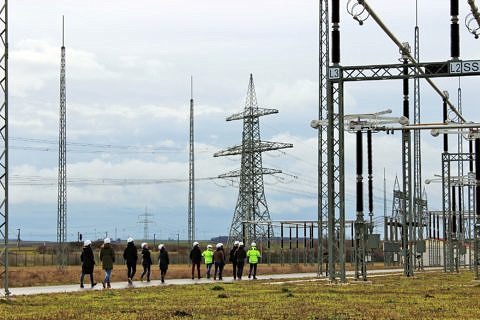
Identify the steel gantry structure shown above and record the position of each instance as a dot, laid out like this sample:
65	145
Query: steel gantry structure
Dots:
62	163
251	203
334	76
4	146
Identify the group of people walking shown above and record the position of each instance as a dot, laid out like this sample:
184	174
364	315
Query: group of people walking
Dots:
130	255
217	258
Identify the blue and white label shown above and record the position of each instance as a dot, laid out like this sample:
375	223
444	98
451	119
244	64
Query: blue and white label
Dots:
334	73
465	67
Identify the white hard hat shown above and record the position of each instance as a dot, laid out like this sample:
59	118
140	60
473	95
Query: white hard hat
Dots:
144	244
241	243
106	240
87	243
195	243
130	239
209	246
218	245
221	244
160	246
253	244
236	243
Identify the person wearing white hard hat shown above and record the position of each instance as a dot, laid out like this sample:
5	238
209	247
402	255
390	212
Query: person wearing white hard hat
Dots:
219	260
163	261
233	260
146	262
88	263
253	255
208	258
107	256
196	258
131	257
240	256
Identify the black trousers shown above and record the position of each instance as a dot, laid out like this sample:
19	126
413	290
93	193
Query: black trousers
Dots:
240	270
146	271
253	266
234	270
218	267
196	264
131	269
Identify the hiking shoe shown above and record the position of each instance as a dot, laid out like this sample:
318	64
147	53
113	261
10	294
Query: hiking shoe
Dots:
103	284
81	285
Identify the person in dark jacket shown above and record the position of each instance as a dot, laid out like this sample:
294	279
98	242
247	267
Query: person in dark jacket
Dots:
233	260
107	256
196	258
163	261
88	263
146	261
219	260
131	256
240	256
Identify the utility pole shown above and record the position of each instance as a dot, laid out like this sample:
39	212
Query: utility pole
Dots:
62	163
251	205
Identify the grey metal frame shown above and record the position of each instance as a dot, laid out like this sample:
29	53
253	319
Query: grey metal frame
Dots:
324	53
191	173
4	151
62	165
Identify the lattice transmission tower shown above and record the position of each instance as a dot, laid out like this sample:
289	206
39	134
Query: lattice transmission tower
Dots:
251	219
4	145
62	163
145	219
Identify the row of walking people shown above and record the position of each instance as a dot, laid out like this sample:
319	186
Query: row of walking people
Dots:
130	255
218	259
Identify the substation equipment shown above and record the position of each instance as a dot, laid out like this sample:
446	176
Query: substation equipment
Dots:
333	76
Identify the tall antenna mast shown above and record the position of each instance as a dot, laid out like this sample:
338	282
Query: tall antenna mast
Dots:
62	163
191	173
4	145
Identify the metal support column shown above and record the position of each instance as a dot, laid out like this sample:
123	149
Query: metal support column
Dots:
4	147
324	49
62	165
407	221
476	254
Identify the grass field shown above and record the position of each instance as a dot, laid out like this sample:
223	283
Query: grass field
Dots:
426	296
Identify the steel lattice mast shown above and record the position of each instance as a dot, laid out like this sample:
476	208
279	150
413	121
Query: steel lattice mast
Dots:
324	55
418	202
251	204
191	174
62	164
4	152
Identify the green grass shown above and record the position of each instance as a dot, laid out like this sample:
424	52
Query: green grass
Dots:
427	296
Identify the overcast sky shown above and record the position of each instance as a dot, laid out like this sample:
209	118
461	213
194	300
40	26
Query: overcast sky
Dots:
128	89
